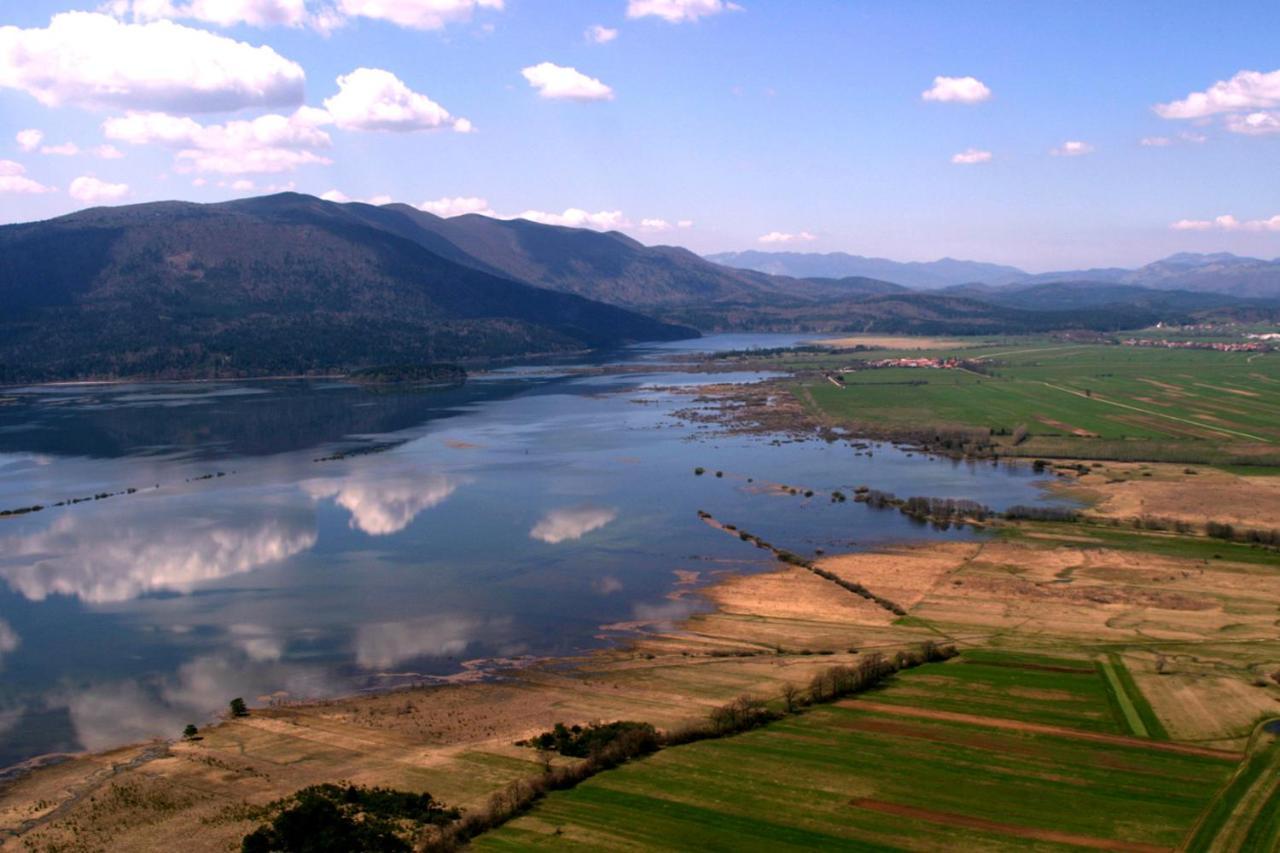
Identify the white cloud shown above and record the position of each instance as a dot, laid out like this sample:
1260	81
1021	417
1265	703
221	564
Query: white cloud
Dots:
1227	222
655	225
374	99
269	143
93	60
784	237
342	198
29	139
227	13
1072	148
684	223
66	149
679	11
1255	124
1156	141
1247	90
560	525
574	217
457	206
242	185
971	156
106	152
417	14
89	189
963	90
13	179
560	82
600	34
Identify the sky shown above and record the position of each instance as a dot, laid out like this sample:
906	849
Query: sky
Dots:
1045	135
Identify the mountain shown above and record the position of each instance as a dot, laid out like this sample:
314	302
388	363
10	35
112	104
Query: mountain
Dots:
278	284
607	266
1220	272
1078	295
914	274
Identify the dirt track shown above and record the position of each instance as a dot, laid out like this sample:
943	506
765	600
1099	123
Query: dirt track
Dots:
1040	728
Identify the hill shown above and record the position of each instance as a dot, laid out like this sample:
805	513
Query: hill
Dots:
921	275
279	284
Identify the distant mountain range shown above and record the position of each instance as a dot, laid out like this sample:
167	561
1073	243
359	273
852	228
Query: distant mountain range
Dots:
1207	273
291	284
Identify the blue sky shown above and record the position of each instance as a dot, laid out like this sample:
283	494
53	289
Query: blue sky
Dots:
697	123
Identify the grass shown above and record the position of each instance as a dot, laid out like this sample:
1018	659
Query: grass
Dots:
1138	712
1083	401
863	775
1224	814
1150	542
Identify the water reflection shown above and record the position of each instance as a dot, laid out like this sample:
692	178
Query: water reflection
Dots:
117	555
560	525
388	644
9	639
381	504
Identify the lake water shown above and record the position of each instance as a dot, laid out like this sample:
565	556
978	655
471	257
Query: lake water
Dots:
512	517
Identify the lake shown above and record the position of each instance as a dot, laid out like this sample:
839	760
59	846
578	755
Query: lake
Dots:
301	539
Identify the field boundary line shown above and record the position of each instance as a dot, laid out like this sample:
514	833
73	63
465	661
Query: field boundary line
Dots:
1187	421
1038	728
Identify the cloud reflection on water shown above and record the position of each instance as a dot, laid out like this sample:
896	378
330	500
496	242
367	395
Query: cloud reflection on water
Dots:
560	525
386	644
381	504
108	558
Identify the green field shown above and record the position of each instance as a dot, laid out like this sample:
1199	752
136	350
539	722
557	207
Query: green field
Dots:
990	751
1090	401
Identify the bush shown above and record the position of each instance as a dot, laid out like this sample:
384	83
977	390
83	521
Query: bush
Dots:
238	708
342	818
579	742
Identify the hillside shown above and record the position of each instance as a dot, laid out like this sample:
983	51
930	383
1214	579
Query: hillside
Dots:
607	266
281	284
922	275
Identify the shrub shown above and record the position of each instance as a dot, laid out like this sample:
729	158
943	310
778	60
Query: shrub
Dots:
238	708
340	818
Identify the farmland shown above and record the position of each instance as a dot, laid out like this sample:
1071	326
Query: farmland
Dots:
1090	401
993	752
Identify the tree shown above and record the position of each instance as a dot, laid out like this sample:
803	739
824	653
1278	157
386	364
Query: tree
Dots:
190	731
791	696
238	708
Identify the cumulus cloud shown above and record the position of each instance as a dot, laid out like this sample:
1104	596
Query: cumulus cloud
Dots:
266	144
227	13
962	90
600	34
679	11
560	525
784	237
13	179
90	190
655	225
374	99
66	149
1255	124
107	558
573	217
560	82
381	504
1246	91
417	14
457	206
94	60
29	139
971	156
1227	222
342	198
1072	148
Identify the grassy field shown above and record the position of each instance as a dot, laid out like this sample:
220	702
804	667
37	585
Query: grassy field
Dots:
1088	401
992	751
